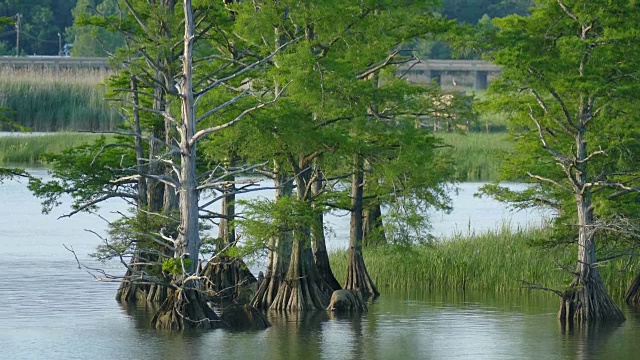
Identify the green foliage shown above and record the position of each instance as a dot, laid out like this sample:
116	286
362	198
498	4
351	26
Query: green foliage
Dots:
10	173
266	219
176	266
90	31
84	172
472	11
568	82
333	109
7	123
138	231
474	15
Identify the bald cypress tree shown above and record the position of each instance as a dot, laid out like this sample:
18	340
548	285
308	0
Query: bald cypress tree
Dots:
569	79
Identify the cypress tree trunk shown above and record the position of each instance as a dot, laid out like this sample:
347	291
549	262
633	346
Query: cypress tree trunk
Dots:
227	276
299	291
226	230
357	275
279	253
587	298
150	195
157	191
319	245
632	297
303	288
128	291
372	226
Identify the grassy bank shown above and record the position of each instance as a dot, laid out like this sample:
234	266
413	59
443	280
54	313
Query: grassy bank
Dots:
490	263
476	155
27	149
56	100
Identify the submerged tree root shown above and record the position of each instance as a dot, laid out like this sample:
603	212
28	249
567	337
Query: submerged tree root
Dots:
587	300
325	272
132	292
358	278
229	278
186	308
266	293
632	297
244	317
347	301
299	295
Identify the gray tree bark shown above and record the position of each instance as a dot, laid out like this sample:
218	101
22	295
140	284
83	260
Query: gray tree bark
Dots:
358	278
318	240
279	251
587	299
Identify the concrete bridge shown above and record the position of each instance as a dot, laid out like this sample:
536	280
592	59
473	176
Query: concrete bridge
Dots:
433	70
421	71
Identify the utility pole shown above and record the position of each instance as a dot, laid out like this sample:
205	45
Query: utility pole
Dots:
18	18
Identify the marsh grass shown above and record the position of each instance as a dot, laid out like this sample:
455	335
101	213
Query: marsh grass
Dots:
476	156
27	149
494	262
56	100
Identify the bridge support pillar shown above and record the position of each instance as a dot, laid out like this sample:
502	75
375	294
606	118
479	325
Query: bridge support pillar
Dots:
434	76
480	81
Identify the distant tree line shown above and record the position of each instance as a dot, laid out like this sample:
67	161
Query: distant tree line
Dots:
42	20
470	12
39	23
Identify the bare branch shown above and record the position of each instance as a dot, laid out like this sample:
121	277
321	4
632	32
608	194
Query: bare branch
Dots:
163	113
135	14
556	96
528	285
86	206
384	63
564	161
543	179
237	171
205	132
616	185
544	107
245	69
568	11
590	156
221	184
223	105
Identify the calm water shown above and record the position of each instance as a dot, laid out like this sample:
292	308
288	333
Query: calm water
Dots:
52	310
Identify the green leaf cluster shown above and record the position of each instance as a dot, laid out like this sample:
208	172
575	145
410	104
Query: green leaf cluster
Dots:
175	266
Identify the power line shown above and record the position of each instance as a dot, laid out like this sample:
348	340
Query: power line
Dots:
38	39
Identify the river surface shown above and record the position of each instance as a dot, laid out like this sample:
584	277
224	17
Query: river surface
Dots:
53	310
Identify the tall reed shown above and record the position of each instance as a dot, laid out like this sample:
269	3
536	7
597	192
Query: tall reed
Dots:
476	156
27	149
495	262
56	100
